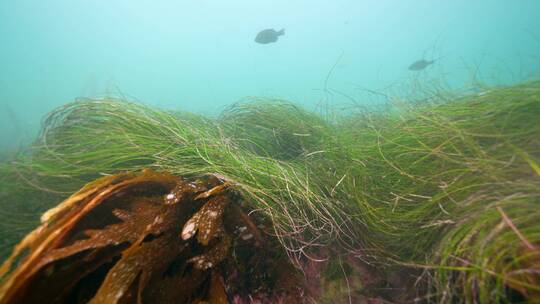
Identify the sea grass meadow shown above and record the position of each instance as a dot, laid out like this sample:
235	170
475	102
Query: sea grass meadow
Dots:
371	152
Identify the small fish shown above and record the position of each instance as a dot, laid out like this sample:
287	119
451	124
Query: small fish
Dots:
268	36
420	65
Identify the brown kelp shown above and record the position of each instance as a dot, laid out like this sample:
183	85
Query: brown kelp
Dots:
437	202
130	238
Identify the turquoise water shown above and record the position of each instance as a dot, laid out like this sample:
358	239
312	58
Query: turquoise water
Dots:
201	56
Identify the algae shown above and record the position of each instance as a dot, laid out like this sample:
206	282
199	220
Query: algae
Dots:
436	201
120	240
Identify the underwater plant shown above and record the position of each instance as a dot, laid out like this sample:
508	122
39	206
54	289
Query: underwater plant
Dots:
130	238
430	202
453	188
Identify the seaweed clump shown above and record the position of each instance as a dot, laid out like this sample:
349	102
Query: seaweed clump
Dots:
146	237
433	202
453	188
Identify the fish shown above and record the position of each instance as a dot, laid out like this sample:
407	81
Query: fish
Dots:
268	36
420	64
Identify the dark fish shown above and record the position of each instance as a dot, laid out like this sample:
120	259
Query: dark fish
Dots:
268	36
420	64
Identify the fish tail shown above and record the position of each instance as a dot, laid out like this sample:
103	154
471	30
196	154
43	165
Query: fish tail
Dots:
282	32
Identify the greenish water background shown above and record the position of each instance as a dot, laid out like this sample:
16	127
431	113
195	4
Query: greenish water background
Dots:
200	55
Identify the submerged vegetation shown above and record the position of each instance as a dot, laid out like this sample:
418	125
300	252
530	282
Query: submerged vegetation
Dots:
434	202
130	238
